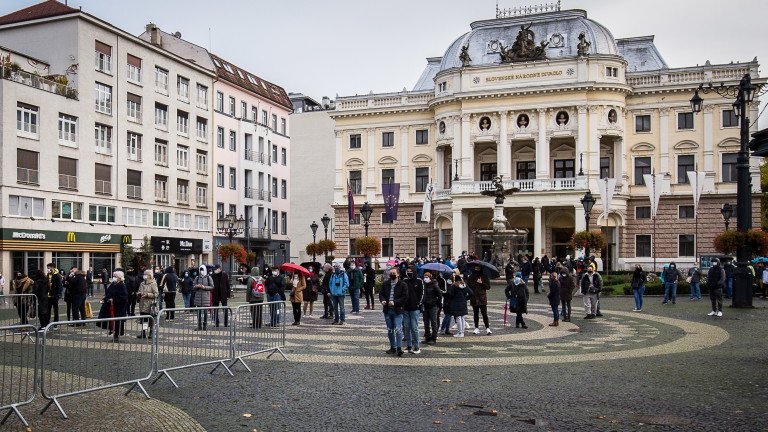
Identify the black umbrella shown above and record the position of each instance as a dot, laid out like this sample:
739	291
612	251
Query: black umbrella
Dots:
488	269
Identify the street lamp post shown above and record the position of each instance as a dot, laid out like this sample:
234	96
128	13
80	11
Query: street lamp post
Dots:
314	227
230	225
744	93
727	212
326	221
366	213
588	201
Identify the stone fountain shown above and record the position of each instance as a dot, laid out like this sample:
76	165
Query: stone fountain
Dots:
500	234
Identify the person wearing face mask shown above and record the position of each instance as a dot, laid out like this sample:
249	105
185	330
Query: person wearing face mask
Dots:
412	308
355	277
325	291
517	294
479	284
275	286
591	285
133	287
459	294
638	287
392	296
221	292
203	285
78	292
298	285
671	276
170	283
567	285
445	287
715	282
432	304
369	281
147	295
338	286
310	292
553	295
116	298
40	289
187	284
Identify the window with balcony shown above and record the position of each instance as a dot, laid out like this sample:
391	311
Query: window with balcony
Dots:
642	167
202	96
133	106
161	116
526	170
161	219
103	98
27	121
202	223
103	57
605	167
133	216
101	213
487	171
422	136
182	89
685	163
103	138
202	129
422	179
161	80
133	179
283	126
643	212
643	123
202	195
284	189
685	212
730	119
684	121
182	157
686	245
565	168
182	122
202	162
182	192
356	182
26	206
67	130
161	188
66	210
27	167
183	220
103	175
232	141
233	178
387	176
67	173
220	102
134	69
161	153
642	245
728	161
355	141
220	176
387	139
274	122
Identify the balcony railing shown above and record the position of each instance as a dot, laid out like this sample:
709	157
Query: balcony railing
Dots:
67	182
261	233
134	192
103	187
161	195
38	82
27	176
532	185
182	198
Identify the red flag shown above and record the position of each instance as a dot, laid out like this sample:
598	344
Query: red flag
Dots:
350	202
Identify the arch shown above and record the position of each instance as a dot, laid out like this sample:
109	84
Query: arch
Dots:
480	220
729	142
685	145
615	219
353	162
560	218
443	221
387	160
421	158
643	146
520	219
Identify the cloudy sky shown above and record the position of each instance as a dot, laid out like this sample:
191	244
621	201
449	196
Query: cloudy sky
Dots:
347	47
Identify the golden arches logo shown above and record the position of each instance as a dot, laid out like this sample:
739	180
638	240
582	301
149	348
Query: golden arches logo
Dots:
71	237
126	239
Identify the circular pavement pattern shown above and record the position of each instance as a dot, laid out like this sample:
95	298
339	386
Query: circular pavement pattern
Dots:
617	335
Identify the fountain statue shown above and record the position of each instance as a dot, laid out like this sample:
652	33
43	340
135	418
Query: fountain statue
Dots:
500	233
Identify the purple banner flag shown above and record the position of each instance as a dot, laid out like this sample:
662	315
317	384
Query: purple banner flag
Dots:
391	192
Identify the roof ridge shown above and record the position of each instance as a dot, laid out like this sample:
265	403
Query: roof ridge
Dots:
45	9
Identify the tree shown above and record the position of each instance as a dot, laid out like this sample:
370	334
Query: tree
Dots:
137	257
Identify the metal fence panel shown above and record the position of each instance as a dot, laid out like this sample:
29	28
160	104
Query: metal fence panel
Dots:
259	328
15	309
19	346
189	337
90	355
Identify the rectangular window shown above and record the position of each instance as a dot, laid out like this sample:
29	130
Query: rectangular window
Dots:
233	178
26	206
133	105
27	120
274	153
274	222
134	69
387	139
161	116
730	119
161	219
355	141
684	120
103	98
611	72
643	123
161	188
67	130
182	191
161	153
233	140
202	223
642	212
283	156
422	246
67	173
220	176
685	163
356	182
219	101
284	189
220	137
232	103
729	167
274	122
356	220
101	213
387	247
27	167
487	171
202	96
686	245
685	212
605	167
202	162
565	168
202	195
182	157
283	223
422	179
274	187
219	210
132	216
103	57
66	210
103	138
243	110
387	176
283	126
254	114
418	218
183	220
161	80
526	170
642	167
642	245
133	179
422	136
134	147
385	219
182	88
103	185
202	129
182	122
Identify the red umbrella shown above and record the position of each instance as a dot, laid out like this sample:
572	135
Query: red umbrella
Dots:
294	268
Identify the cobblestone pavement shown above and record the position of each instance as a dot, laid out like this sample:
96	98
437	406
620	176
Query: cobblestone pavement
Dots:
667	368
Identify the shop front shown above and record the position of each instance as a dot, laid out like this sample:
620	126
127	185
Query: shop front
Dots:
181	253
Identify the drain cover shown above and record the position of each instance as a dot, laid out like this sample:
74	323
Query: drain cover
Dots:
660	419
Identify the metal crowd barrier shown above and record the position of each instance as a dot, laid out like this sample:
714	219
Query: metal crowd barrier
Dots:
190	337
96	354
16	308
18	369
254	332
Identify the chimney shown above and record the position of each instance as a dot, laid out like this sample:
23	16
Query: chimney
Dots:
154	35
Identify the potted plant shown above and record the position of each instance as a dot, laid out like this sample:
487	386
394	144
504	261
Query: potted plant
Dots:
314	249
588	239
233	250
755	240
368	246
327	246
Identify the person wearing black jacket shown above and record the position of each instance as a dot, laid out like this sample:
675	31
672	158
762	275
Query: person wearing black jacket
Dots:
78	292
369	281
325	291
170	283
393	296
537	269
40	289
445	289
716	278
133	287
275	287
412	310
221	292
432	304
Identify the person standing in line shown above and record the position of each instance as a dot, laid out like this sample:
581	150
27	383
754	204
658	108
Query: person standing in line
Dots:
325	291
728	287
338	286
133	286
479	284
310	292
694	276
638	287
445	288
54	291
509	270
716	278
22	285
356	278
432	304
538	272
147	294
78	292
2	288
275	286
671	277
170	283
116	294
221	292
298	285
105	279
89	282
566	293
591	285
459	294
40	289
203	285
517	294
369	282
254	295
525	269
553	295
66	281
413	305
393	296
187	283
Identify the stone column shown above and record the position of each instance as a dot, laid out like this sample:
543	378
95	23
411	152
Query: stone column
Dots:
542	147
538	234
371	177
460	232
593	152
618	159
467	156
664	140
581	138
503	152
340	180
405	163
440	168
580	222
709	146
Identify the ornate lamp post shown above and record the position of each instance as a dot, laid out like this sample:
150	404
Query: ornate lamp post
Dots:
230	225
325	220
366	213
314	227
727	212
744	93
588	201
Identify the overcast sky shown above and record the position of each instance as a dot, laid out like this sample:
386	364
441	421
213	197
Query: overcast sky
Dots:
347	47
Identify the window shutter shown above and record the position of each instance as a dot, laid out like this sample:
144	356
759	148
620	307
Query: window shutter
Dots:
134	178
103	48
103	172
134	61
26	159
134	98
67	166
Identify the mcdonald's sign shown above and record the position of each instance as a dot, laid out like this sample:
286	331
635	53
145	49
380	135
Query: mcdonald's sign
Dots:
126	239
71	237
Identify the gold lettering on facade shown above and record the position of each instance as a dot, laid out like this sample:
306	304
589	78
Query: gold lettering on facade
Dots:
522	76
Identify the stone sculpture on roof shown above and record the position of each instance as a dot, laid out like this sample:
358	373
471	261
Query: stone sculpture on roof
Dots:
524	47
583	46
464	56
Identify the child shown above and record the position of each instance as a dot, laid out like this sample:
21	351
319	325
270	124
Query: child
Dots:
460	293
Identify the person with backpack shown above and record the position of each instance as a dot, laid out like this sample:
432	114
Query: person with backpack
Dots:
338	286
254	295
591	285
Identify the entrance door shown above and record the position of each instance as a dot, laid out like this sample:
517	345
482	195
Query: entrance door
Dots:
561	242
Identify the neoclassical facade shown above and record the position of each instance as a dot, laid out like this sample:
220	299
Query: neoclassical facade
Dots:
553	104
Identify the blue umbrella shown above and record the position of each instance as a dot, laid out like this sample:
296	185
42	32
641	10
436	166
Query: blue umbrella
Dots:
442	268
488	269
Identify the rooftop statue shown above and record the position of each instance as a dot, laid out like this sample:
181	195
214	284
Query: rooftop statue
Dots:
464	56
498	190
524	47
583	46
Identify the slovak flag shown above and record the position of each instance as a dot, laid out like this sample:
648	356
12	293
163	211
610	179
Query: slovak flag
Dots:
350	202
